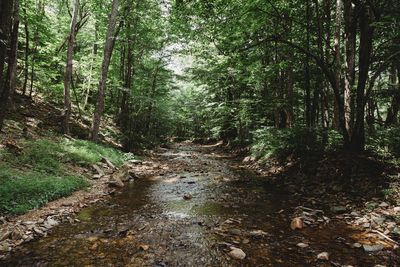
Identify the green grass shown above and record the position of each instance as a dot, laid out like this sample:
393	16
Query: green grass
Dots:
22	191
43	171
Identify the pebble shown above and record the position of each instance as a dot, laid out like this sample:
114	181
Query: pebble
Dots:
302	245
323	256
237	254
373	248
338	209
187	196
297	223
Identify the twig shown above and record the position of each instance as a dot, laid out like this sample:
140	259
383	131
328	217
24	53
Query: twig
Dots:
385	236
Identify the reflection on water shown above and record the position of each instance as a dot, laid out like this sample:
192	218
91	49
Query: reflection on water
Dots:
150	224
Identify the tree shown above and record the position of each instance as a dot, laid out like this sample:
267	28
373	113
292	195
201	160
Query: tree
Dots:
108	49
68	68
9	23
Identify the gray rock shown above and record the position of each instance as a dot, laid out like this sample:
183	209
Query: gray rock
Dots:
373	248
50	223
338	209
237	254
323	256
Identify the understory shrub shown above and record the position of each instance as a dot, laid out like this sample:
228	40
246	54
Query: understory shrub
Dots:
385	141
272	142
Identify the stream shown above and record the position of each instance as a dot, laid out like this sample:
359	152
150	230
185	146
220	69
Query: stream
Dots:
193	215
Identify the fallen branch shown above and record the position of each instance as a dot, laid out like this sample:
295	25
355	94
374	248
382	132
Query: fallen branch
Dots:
385	236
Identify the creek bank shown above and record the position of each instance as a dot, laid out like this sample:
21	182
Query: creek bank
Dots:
105	181
341	187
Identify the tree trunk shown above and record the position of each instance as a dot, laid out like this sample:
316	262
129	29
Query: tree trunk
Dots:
307	85
68	70
13	53
93	60
349	76
337	60
394	107
26	67
366	37
5	20
108	48
8	46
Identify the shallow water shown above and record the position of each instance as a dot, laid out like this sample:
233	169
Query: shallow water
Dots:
150	224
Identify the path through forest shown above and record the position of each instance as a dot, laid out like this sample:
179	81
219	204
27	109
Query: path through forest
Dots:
194	214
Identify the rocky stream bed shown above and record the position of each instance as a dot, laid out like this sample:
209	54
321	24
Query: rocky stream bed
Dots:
198	207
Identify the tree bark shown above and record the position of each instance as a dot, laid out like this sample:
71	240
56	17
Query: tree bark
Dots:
108	48
366	37
9	23
350	22
68	70
394	107
26	67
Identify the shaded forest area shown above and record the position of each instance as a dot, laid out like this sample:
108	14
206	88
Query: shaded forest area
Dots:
314	74
304	93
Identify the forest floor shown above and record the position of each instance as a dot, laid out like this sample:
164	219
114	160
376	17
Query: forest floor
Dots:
198	205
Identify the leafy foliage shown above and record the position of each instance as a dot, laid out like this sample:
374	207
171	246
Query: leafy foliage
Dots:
22	191
271	142
45	171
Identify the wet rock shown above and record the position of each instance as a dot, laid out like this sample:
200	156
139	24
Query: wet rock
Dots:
121	174
50	223
94	246
93	238
17	234
384	205
187	196
302	245
379	220
4	247
99	171
136	162
373	248
144	247
38	231
108	162
258	233
115	182
237	254
235	231
5	234
339	209
297	223
323	256
396	209
246	241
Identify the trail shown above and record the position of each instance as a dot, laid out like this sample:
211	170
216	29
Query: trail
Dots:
201	206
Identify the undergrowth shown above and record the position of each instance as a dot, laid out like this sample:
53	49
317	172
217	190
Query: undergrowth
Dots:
271	142
44	171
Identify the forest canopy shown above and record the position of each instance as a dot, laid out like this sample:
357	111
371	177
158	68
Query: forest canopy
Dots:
315	74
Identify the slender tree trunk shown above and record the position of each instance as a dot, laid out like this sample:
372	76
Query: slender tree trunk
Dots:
68	70
93	60
394	107
26	67
350	44
108	48
338	70
5	20
307	77
366	37
9	23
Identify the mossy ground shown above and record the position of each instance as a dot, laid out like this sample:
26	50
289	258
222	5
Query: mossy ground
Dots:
47	169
